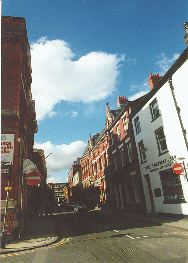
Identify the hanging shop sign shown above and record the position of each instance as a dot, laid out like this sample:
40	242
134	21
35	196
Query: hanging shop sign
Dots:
29	166
7	149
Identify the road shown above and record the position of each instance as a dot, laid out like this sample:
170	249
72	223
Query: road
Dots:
102	236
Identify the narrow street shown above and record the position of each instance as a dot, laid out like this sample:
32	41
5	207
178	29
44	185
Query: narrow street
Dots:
104	236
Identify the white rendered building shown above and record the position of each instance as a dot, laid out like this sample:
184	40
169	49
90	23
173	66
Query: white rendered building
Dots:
160	126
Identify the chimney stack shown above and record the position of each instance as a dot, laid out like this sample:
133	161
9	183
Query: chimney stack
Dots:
121	102
153	80
186	30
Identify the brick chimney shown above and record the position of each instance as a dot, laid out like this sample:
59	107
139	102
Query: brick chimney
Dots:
153	80
121	102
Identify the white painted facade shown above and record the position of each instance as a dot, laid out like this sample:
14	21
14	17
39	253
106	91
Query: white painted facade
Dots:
154	165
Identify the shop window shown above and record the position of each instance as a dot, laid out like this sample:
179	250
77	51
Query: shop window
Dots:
154	109
161	141
137	125
172	188
142	151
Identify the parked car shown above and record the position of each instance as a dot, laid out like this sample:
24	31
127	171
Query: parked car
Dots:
80	207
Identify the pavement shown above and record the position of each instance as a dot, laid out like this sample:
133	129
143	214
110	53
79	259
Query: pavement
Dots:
41	231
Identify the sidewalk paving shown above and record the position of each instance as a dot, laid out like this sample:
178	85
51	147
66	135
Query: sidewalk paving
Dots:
40	233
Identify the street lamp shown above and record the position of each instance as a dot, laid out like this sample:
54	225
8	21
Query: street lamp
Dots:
183	163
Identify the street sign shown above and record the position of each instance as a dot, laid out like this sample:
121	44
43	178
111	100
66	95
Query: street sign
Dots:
178	168
33	178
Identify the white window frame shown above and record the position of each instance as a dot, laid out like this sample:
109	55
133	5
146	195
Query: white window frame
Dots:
160	141
137	125
154	108
129	149
142	151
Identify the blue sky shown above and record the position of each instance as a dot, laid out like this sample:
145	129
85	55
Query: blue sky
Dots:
87	53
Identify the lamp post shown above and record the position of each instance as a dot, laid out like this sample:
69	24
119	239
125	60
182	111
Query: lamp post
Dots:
183	163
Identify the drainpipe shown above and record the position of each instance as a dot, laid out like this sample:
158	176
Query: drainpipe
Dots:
178	112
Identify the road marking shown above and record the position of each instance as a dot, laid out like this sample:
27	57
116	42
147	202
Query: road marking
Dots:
130	249
63	241
129	236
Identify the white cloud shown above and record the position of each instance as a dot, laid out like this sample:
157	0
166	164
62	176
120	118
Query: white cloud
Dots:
138	95
56	76
62	156
74	114
164	63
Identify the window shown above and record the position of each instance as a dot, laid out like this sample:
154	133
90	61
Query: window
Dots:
112	138
125	124
136	189
142	151
115	162
122	156
172	189
154	109
127	193
130	153
118	132
137	125
161	141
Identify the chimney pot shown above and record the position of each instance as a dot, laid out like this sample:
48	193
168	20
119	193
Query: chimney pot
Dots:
121	101
153	80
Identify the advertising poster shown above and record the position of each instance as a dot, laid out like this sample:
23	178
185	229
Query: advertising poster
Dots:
7	148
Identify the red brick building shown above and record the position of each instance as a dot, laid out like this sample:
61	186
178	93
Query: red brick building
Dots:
74	180
18	116
110	168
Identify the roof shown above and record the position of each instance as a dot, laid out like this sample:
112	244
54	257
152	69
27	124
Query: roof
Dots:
177	64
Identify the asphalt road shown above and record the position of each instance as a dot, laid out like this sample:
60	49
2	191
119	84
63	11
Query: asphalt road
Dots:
97	236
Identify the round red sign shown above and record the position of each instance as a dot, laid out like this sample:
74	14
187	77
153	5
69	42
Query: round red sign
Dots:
33	178
177	168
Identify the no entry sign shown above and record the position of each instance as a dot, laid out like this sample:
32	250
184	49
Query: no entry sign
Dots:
178	168
33	178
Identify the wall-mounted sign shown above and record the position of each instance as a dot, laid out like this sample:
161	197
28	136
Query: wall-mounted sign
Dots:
7	148
164	163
